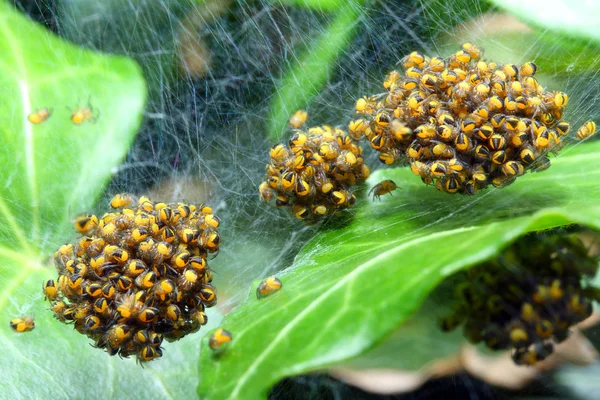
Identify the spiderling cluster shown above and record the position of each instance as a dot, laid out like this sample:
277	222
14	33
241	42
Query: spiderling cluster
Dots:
314	174
527	298
462	122
137	275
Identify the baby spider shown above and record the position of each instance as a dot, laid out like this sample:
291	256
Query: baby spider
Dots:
268	286
219	340
39	116
383	188
22	324
586	130
83	114
297	120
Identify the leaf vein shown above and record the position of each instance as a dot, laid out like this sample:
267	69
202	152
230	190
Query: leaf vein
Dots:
318	300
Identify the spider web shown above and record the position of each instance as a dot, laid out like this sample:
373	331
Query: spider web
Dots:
214	67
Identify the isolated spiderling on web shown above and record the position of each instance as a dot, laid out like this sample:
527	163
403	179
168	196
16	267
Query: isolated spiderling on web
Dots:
137	275
268	287
463	123
22	324
527	298
315	173
219	340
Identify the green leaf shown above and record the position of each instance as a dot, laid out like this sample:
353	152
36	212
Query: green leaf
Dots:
352	286
55	169
56	362
419	335
50	172
313	67
575	18
323	5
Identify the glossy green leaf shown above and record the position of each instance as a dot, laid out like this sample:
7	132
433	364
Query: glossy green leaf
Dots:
419	335
352	286
55	362
55	169
50	172
571	17
312	68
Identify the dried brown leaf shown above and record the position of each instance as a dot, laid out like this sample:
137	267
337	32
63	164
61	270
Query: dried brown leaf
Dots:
498	370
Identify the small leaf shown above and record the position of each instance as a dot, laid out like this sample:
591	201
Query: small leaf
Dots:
575	18
351	287
312	68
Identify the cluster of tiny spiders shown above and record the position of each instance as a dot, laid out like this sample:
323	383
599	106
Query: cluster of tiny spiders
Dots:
464	123
137	275
540	297
314	173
